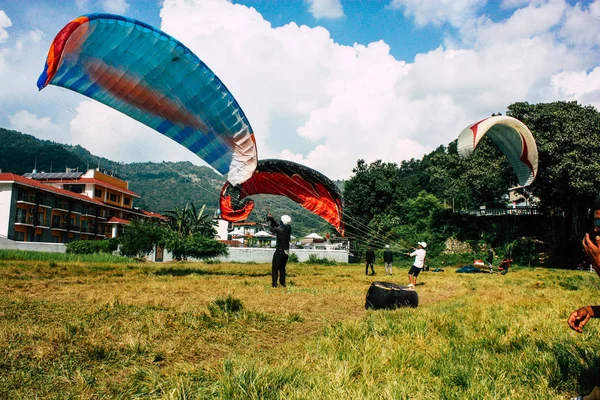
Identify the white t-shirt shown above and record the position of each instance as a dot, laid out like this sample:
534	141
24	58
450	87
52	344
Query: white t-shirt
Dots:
419	255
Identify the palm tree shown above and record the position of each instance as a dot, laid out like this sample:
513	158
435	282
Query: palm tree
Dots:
187	221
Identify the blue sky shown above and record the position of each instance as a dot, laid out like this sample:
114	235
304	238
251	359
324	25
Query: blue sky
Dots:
323	82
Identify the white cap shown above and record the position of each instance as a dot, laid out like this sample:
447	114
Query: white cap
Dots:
387	246
423	244
286	219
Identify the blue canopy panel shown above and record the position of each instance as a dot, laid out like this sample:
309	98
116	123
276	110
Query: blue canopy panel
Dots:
153	78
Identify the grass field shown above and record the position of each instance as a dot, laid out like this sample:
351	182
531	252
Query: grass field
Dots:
113	330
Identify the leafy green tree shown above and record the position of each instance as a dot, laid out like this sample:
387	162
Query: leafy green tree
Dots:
370	192
191	233
140	237
568	181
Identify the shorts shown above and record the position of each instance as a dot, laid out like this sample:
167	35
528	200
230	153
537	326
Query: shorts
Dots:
414	271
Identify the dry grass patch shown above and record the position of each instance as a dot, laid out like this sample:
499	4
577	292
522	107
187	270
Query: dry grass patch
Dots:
73	329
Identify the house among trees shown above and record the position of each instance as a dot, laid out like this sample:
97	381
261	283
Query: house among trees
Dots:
59	207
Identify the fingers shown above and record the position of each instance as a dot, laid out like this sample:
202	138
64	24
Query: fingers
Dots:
586	242
578	319
573	322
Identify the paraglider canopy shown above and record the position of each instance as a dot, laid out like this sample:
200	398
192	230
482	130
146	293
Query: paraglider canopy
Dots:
305	186
512	137
153	78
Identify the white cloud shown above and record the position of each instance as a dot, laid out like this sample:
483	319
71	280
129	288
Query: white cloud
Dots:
21	61
528	22
41	127
581	86
331	9
437	12
115	6
582	25
5	22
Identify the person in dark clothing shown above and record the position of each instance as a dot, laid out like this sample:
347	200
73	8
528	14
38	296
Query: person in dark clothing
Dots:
283	232
387	259
490	259
505	263
369	260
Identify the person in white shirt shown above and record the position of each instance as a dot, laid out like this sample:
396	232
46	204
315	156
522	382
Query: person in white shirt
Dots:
415	270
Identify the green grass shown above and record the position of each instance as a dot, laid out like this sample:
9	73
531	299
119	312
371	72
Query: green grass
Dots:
24	255
72	329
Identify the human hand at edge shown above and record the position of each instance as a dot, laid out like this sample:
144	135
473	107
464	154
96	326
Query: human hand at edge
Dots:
592	252
579	318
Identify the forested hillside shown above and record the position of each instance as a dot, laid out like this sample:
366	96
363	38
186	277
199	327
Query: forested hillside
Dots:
162	186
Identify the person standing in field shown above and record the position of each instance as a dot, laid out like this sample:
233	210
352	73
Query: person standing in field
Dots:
369	261
417	266
490	259
580	317
283	232
388	258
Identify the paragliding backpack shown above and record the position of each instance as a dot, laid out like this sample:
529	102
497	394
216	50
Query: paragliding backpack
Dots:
385	295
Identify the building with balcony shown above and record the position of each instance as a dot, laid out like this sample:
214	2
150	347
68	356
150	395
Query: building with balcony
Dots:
61	207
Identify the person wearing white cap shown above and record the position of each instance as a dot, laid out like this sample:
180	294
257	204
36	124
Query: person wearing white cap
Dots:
417	267
283	232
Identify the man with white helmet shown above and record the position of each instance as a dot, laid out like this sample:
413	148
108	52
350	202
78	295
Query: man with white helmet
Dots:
283	232
417	267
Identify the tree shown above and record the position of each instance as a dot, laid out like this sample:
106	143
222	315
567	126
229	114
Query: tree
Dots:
568	140
191	234
140	237
187	221
370	192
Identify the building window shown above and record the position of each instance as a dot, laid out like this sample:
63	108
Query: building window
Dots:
127	201
23	195
21	215
56	221
20	236
98	193
113	197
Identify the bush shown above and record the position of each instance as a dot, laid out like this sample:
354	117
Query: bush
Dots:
195	246
92	246
525	252
293	258
314	259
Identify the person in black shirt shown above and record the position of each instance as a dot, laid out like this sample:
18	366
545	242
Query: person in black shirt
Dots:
388	258
369	260
283	232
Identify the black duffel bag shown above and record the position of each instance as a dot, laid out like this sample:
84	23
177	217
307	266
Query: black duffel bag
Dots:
385	295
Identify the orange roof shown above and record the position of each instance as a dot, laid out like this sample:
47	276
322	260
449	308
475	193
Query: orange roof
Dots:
115	220
151	214
247	223
10	177
232	243
96	182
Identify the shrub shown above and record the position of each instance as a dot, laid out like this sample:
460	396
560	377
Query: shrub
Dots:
314	259
293	258
92	246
